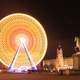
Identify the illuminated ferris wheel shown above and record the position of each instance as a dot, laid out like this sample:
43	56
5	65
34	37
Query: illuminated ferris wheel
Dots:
23	41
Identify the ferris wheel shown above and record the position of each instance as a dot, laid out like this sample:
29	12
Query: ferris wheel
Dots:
23	41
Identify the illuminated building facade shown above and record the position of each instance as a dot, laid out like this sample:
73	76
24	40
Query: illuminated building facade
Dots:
76	60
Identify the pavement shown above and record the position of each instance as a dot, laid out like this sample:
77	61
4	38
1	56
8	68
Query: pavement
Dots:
37	76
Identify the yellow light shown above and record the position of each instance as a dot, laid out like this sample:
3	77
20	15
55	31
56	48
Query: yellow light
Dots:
27	29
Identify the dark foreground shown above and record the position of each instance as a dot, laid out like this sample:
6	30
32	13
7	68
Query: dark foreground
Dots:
37	76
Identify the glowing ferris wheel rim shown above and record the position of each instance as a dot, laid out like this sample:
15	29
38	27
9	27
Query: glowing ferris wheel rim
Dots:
8	27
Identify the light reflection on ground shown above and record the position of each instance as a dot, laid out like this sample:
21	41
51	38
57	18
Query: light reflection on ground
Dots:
37	76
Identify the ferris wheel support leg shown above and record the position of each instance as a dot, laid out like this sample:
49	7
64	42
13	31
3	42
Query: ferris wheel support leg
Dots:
30	58
14	59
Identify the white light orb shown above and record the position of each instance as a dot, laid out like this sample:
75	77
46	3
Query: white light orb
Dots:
22	40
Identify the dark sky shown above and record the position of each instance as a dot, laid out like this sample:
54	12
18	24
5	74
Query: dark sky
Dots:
60	19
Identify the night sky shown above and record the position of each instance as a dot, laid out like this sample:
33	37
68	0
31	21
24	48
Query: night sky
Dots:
60	20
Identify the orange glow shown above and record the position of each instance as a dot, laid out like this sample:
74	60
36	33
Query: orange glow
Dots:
18	25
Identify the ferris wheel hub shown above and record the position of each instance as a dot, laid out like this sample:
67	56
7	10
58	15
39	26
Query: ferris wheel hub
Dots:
22	40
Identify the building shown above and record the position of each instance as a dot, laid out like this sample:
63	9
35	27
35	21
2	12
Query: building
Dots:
76	60
68	62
